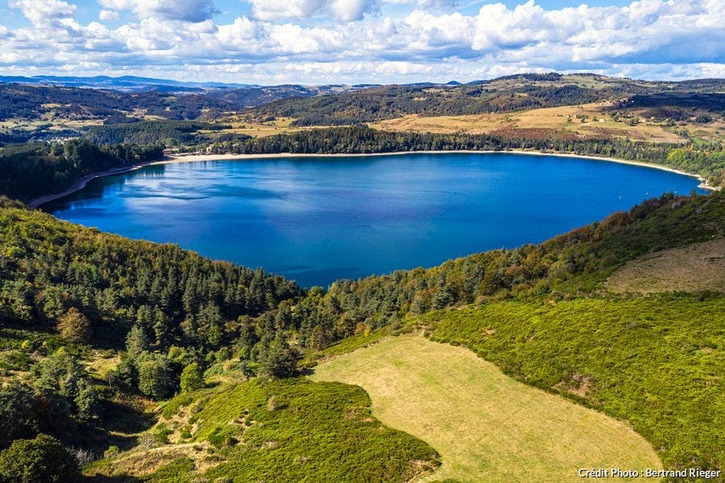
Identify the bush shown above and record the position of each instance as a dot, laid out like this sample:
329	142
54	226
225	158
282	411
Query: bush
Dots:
43	459
111	452
192	378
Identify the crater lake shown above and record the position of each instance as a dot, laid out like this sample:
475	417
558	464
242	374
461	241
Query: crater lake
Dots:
318	219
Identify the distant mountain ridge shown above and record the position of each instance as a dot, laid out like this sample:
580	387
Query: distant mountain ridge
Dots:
504	94
136	83
112	98
62	104
123	83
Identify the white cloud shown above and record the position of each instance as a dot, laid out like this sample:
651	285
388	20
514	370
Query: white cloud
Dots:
241	32
291	39
349	10
317	40
426	3
588	34
283	9
43	11
444	29
108	15
499	27
184	10
345	10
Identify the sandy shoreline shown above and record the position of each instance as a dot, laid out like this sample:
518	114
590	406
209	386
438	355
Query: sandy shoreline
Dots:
190	158
230	157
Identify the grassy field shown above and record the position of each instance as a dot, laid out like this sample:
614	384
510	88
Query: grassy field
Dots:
486	426
700	266
582	121
656	362
257	127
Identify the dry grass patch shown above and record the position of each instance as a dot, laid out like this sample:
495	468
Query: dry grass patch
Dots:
146	461
50	122
100	364
487	426
581	121
696	267
260	128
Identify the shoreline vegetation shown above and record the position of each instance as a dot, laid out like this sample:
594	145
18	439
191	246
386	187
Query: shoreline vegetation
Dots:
645	366
188	158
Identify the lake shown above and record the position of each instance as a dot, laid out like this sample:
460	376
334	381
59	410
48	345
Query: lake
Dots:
317	219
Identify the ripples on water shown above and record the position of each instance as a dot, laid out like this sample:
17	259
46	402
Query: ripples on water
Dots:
320	219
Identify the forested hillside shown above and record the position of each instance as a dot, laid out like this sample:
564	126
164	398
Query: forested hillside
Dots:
48	102
43	112
168	133
67	292
32	170
505	94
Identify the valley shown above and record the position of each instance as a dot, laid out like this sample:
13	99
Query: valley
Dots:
128	360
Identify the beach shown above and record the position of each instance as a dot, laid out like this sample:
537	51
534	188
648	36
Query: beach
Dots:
232	157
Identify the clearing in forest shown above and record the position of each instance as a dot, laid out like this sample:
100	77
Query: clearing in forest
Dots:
695	267
486	426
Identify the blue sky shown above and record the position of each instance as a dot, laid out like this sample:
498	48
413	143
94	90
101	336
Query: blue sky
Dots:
361	41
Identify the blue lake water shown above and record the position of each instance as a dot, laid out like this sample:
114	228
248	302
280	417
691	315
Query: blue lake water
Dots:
319	219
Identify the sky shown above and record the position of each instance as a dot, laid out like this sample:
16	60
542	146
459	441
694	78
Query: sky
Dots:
361	41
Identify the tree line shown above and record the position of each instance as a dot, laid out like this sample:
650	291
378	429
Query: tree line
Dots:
168	133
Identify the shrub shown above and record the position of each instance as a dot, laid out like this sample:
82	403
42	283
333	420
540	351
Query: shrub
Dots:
192	378
111	452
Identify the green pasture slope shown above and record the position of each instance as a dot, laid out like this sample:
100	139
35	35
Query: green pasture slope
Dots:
284	431
656	362
486	426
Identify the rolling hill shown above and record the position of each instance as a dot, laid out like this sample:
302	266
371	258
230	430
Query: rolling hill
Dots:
487	427
149	363
505	94
531	311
